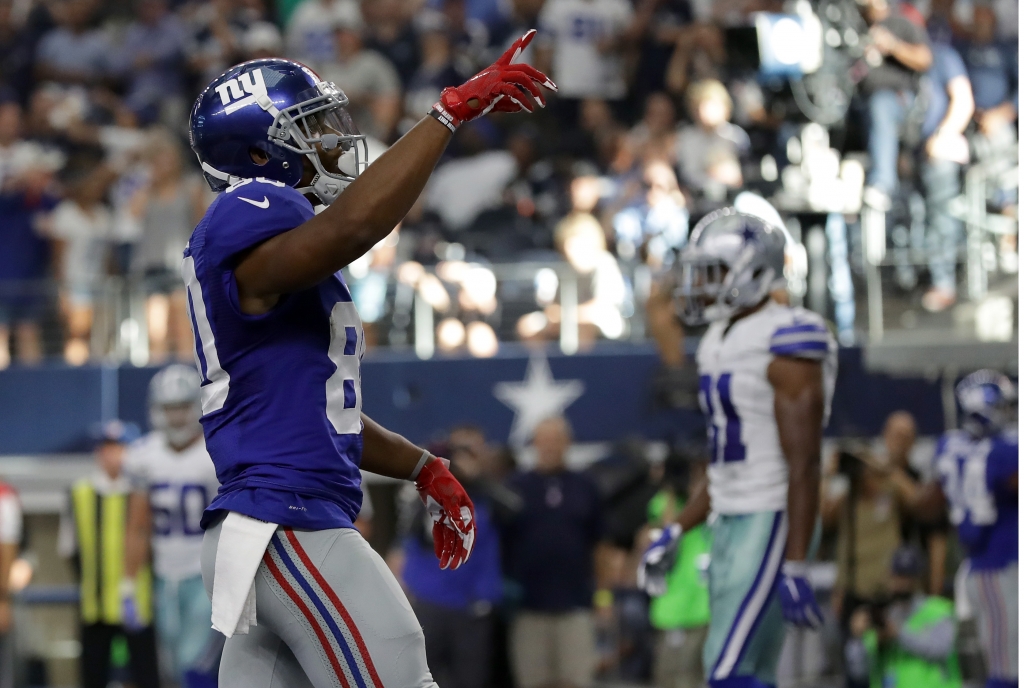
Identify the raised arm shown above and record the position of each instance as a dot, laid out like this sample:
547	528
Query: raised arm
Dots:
361	216
381	196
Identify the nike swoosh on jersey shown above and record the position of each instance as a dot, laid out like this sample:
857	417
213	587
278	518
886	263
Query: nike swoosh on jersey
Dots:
265	203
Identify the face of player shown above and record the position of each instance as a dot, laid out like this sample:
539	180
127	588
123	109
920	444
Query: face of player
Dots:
110	457
181	424
328	158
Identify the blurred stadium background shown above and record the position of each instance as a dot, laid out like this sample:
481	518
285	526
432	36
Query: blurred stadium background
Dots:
530	278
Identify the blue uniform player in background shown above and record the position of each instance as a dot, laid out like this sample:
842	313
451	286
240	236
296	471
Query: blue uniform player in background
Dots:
976	469
301	597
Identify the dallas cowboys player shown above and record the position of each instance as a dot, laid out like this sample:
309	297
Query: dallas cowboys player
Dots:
173	481
977	480
767	372
302	597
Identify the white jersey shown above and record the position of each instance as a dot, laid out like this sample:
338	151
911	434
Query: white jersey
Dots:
748	472
180	486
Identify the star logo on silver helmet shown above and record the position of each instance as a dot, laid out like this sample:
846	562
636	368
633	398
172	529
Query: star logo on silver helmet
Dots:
748	234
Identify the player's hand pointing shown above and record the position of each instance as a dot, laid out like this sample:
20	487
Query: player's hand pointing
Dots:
451	510
502	87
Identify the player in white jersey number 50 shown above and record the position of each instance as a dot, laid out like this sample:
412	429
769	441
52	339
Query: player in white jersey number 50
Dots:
301	597
767	372
173	481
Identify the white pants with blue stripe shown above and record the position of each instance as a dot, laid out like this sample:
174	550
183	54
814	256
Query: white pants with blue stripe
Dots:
329	614
993	599
746	631
183	626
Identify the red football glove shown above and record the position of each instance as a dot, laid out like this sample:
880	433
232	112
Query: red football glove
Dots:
452	511
500	87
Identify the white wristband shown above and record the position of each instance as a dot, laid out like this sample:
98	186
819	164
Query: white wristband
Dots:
796	569
420	464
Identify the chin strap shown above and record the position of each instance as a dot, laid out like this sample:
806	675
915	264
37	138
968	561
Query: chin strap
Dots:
228	179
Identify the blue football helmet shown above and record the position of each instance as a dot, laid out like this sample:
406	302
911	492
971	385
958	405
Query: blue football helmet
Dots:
283	109
732	262
988	400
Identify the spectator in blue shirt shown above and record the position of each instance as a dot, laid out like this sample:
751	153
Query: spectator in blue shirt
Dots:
456	608
152	59
993	70
26	178
73	52
552	546
950	107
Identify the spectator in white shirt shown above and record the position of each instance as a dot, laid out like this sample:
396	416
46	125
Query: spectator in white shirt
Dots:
82	225
600	288
580	45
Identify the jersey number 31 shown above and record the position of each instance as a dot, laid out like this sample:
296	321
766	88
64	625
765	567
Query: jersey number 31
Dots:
725	433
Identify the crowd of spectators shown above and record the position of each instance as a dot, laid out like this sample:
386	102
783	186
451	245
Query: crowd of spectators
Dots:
549	596
653	126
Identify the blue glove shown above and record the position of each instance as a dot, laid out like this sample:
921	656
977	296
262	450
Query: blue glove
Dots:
797	597
130	618
658	560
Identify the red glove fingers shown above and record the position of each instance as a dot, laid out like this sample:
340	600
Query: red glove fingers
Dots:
534	74
527	84
516	49
516	101
497	87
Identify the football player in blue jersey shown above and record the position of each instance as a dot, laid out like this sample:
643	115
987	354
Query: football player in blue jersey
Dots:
303	599
976	470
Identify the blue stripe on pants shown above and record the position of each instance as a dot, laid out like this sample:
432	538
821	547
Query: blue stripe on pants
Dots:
746	630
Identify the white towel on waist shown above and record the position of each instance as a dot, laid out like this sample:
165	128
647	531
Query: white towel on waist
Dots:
243	540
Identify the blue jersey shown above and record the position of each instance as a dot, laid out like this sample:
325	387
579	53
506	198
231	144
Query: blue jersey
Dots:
281	398
975	475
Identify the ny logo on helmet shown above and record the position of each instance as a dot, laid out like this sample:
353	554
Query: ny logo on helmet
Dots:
250	83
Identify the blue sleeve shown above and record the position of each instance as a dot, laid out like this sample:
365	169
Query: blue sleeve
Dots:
950	64
248	214
1001	464
805	339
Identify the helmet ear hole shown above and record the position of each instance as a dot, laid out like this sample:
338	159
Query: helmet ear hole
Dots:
258	155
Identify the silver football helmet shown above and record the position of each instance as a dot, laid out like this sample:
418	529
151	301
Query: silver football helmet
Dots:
732	262
175	404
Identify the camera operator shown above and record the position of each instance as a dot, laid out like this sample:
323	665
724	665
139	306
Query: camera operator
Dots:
909	641
896	55
864	507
